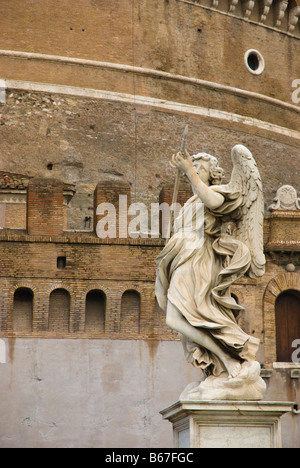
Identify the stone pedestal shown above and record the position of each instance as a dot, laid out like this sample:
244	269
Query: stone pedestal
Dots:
227	424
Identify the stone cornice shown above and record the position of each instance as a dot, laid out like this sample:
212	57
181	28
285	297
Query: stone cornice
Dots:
279	10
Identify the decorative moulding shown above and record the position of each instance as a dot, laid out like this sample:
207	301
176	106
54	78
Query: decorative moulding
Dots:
293	18
280	10
286	199
265	9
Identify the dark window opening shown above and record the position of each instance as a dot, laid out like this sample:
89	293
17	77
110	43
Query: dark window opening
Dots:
287	315
22	317
61	263
87	222
95	311
253	62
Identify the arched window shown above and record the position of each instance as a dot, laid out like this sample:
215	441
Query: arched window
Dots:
130	312
59	311
287	313
22	317
95	311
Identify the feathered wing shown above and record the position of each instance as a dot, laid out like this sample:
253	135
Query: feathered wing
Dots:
249	226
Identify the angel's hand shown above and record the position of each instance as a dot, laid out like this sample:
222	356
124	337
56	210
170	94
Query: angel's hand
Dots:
184	165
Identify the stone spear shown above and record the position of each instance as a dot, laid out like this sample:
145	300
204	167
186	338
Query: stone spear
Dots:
177	180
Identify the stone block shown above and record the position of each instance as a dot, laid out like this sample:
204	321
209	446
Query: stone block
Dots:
227	424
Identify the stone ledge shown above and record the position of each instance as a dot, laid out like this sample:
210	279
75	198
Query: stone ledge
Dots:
76	237
238	407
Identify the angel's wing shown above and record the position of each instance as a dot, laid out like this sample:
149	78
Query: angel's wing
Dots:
249	228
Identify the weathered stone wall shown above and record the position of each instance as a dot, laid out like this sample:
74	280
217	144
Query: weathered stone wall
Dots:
174	36
89	393
85	141
81	393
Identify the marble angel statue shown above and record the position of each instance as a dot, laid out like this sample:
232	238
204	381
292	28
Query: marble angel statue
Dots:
218	238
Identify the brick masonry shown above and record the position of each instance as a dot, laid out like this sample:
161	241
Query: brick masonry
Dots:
45	212
121	273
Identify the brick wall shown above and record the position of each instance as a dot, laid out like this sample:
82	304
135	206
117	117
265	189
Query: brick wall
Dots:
2	214
123	272
113	267
45	211
130	312
104	288
78	285
15	216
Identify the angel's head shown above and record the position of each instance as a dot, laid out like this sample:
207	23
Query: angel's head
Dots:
208	169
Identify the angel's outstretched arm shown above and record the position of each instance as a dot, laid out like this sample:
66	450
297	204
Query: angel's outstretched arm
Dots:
209	197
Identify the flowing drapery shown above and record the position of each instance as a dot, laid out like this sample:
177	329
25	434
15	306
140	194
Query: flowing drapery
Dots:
195	271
